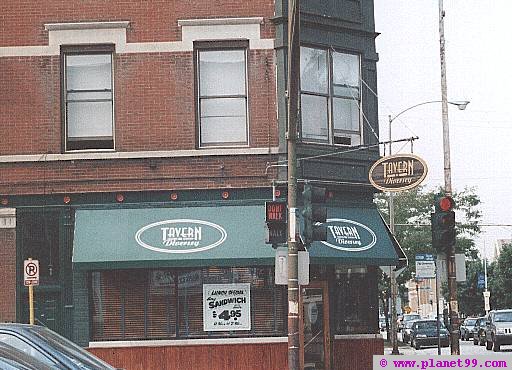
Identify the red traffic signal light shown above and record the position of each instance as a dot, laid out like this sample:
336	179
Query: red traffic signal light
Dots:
443	223
444	204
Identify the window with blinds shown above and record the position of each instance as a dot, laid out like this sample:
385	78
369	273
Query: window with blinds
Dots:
167	303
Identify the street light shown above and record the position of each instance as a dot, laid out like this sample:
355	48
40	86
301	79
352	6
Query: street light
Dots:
394	289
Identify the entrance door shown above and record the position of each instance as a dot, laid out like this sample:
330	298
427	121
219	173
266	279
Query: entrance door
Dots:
315	327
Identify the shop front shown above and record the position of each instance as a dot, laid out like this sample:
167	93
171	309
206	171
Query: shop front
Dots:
194	288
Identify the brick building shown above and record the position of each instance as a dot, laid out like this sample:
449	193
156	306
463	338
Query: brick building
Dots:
140	141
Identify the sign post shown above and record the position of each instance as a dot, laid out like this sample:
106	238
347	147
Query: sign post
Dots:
31	278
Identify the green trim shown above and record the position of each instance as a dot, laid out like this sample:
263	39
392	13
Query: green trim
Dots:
113	265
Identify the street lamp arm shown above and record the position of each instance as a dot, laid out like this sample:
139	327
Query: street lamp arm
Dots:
462	105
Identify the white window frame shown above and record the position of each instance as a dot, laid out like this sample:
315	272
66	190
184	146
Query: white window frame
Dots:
329	95
227	46
106	143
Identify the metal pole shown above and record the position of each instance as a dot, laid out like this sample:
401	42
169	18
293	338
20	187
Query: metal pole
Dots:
392	276
486	298
437	312
293	116
450	255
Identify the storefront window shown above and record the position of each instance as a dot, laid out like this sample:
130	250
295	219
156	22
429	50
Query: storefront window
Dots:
168	303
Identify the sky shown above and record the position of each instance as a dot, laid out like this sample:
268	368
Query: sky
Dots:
477	35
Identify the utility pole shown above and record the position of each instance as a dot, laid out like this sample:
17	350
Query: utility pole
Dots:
293	117
392	274
450	254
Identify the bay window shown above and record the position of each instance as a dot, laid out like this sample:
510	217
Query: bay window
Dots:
330	97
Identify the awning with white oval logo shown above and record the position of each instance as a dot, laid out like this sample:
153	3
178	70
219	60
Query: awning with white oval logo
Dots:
171	237
228	235
357	236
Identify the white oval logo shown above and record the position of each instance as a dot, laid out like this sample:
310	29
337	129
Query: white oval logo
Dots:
349	235
181	236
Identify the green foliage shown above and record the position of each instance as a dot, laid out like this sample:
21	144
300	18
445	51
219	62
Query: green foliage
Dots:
500	278
412	224
470	297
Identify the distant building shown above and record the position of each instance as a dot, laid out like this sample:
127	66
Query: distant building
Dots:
498	246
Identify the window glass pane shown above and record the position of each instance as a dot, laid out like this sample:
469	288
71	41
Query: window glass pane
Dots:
25	347
314	118
222	72
89	72
95	95
89	119
345	115
143	304
345	68
223	120
313	67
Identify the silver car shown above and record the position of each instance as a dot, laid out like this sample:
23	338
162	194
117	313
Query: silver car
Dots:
466	329
498	329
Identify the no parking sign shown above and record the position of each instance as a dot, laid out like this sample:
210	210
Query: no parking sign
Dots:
31	272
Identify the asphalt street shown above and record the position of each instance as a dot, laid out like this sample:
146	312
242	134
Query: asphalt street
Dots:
466	348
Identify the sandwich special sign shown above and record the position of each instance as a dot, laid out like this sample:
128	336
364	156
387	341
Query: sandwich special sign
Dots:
398	172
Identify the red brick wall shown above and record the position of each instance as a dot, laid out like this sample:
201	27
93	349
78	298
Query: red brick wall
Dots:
8	275
155	20
154	101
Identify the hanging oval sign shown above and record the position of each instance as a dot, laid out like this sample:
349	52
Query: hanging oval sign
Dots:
398	172
181	236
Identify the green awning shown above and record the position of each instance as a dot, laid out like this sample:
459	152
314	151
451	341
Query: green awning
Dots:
226	235
171	237
357	236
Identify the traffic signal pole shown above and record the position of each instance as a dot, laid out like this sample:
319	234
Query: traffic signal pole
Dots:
450	250
293	81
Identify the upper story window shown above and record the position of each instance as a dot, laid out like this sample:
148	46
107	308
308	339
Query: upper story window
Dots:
330	97
88	100
222	94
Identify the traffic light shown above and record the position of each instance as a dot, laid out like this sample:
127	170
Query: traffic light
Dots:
443	224
314	213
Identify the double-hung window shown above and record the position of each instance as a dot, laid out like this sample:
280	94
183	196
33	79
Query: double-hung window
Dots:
330	97
222	94
88	100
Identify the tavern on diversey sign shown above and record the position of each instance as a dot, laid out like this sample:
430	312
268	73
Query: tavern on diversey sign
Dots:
398	172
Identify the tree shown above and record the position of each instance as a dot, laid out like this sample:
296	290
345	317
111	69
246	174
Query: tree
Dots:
500	278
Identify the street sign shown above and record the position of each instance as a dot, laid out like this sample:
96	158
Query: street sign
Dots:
281	267
480	284
31	272
398	172
487	306
425	266
460	267
275	218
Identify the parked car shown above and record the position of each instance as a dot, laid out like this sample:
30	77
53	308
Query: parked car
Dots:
479	331
13	359
382	323
406	331
424	333
407	317
50	348
498	329
466	329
